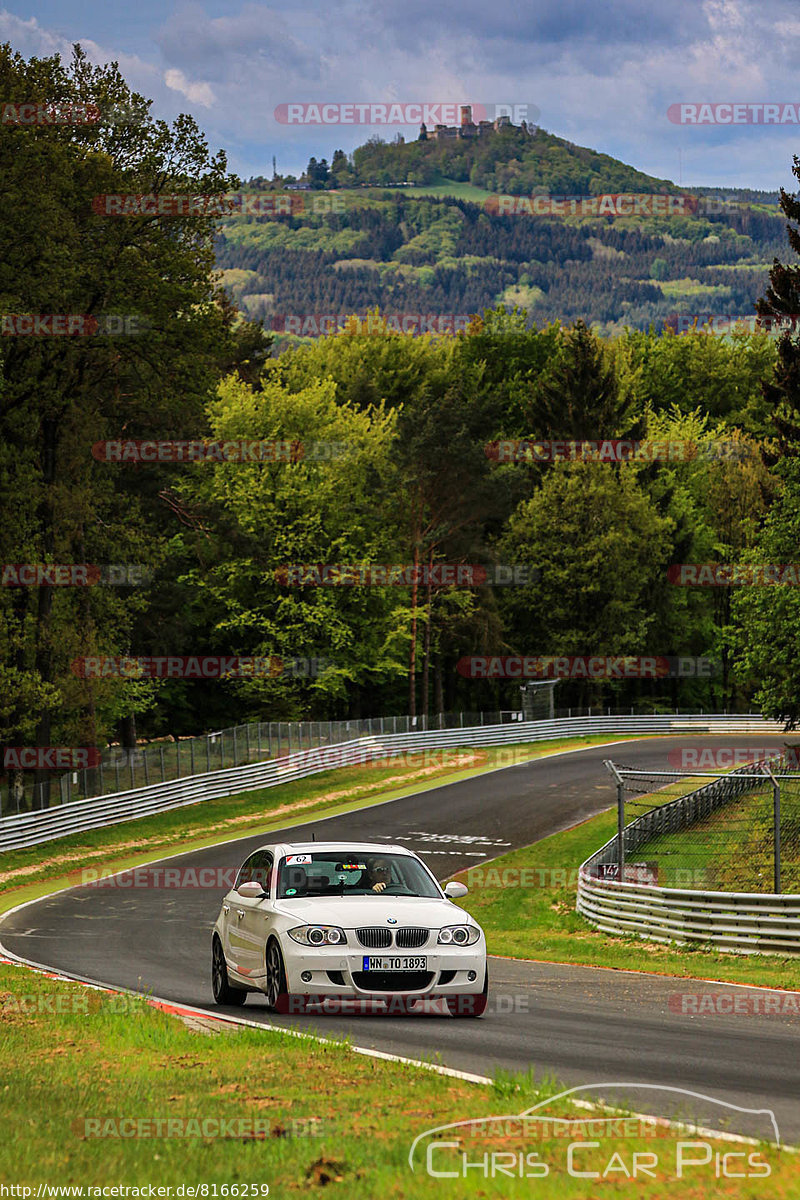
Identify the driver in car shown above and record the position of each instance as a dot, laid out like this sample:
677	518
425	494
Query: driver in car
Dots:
376	876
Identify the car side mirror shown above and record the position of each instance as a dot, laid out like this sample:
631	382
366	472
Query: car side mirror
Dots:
252	890
454	890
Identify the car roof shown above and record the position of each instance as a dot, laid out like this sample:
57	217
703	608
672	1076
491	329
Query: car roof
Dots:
343	846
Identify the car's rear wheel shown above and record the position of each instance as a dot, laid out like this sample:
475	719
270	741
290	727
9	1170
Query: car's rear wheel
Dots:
223	992
278	998
470	1004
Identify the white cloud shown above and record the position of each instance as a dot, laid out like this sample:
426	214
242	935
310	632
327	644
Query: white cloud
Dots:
197	93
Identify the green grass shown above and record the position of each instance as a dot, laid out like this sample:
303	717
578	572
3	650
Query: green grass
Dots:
35	871
447	187
525	902
314	1116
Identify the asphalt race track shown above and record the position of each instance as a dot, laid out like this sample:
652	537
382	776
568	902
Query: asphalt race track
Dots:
581	1024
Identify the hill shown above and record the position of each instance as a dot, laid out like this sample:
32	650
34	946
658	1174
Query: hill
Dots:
446	245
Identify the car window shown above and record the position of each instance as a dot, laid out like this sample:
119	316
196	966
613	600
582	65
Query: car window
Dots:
344	873
256	869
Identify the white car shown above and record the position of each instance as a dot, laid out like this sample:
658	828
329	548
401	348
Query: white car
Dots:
346	921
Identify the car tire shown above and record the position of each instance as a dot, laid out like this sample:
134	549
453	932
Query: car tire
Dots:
278	998
220	984
470	1004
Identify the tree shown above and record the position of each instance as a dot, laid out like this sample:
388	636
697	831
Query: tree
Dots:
766	633
578	397
61	395
601	548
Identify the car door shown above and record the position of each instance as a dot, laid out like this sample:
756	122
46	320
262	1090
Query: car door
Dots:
252	918
234	908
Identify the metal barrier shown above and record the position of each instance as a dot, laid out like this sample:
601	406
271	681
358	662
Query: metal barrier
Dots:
29	829
746	922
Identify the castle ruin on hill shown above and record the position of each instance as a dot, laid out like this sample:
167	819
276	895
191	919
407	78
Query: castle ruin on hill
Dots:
468	129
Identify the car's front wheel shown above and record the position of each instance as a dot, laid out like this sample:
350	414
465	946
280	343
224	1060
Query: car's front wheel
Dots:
223	992
278	998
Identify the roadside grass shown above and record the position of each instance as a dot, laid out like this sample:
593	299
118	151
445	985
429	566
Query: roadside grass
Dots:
525	902
28	873
87	1080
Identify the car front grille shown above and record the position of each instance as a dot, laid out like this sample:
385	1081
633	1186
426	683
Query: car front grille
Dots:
374	937
410	937
392	981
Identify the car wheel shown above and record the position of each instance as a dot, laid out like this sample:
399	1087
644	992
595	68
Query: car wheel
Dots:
278	998
223	992
470	1004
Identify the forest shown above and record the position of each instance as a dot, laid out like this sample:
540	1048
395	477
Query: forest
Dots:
376	451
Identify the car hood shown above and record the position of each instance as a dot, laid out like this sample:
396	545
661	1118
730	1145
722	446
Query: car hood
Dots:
353	912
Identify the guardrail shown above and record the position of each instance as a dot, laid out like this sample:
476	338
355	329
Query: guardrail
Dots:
29	829
746	922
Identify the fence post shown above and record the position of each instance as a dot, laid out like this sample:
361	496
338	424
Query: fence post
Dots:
776	829
235	749
620	818
161	756
191	757
208	754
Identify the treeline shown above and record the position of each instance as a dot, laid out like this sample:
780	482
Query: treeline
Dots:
449	255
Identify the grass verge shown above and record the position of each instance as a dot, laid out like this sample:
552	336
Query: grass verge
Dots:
109	1091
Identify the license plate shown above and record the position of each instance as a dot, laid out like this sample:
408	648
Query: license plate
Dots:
394	964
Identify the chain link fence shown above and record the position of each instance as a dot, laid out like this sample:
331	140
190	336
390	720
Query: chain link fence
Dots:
122	770
739	833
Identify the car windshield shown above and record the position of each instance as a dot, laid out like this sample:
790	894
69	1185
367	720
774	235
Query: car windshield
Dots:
348	873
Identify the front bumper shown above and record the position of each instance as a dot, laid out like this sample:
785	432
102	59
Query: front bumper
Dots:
447	972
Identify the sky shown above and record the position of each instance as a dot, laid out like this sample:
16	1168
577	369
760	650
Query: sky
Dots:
601	74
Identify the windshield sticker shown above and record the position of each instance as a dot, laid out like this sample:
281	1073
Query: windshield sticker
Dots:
297	859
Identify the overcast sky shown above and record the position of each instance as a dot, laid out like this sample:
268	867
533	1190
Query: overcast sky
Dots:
601	74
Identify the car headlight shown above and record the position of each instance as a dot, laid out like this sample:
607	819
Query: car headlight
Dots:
458	935
319	935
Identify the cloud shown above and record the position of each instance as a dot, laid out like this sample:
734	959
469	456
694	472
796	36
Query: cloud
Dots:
197	93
